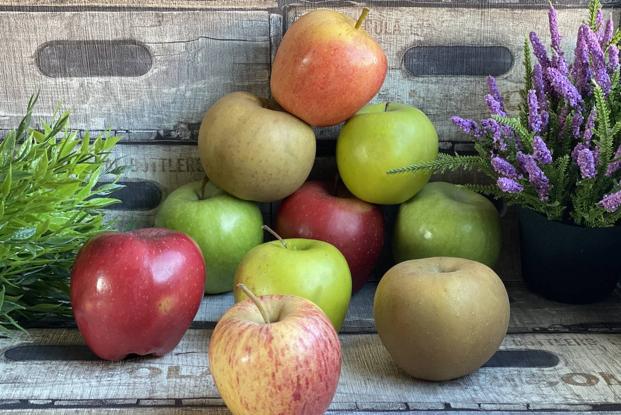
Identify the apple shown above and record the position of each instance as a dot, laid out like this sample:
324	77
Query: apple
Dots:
275	355
441	318
326	68
252	151
320	211
446	219
136	292
224	227
381	137
308	268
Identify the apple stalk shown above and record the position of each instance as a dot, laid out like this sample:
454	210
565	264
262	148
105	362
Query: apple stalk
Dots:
256	302
275	235
363	15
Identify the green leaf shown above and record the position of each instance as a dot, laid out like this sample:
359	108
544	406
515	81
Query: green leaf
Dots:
24	233
5	189
594	7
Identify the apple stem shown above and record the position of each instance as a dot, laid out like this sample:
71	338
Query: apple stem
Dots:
275	235
363	16
256	302
203	186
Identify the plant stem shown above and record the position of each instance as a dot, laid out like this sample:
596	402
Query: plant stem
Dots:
275	235
203	186
256	302
363	16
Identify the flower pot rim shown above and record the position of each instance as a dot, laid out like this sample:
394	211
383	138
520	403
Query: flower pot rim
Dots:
564	223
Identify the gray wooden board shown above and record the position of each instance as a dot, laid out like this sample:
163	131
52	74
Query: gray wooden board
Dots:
529	313
224	411
197	56
587	375
399	29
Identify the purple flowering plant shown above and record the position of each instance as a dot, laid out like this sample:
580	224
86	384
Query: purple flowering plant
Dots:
561	154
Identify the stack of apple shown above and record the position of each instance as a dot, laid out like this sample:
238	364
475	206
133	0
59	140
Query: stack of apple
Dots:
325	71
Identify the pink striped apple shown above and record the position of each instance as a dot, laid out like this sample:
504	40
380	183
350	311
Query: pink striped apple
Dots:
275	355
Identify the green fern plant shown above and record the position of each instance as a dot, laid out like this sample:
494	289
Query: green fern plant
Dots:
50	204
560	155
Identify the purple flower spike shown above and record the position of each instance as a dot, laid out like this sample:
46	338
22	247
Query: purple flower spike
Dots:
495	107
545	118
535	175
539	50
581	70
534	120
613	59
611	202
607	34
467	126
541	153
496	131
564	87
576	124
504	168
494	91
598	60
539	86
508	185
590	125
599	20
586	162
554	32
615	165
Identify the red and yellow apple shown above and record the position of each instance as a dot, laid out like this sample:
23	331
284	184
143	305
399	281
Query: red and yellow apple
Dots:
326	68
281	358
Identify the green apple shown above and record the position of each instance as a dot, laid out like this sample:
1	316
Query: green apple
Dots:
381	137
308	268
224	227
446	219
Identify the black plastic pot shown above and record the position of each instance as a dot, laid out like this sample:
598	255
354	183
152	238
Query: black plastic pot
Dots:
569	263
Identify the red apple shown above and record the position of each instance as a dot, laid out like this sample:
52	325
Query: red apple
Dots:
275	355
326	68
136	292
356	228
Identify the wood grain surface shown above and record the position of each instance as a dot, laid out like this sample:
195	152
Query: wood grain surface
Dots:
585	374
197	56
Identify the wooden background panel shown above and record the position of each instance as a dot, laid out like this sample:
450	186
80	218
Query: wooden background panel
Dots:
582	369
156	4
398	29
197	56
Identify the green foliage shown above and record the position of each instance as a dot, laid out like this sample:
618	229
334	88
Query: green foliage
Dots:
443	164
594	7
50	203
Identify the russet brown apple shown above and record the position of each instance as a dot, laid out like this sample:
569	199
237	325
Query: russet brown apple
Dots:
326	68
441	318
252	151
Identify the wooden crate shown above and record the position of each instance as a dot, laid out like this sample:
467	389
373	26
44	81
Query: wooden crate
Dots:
148	69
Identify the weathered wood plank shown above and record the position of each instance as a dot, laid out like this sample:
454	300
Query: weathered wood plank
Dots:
588	374
137	4
197	56
399	29
224	411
